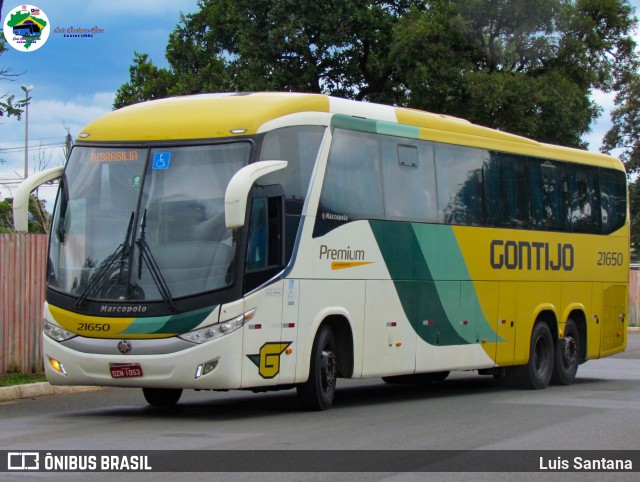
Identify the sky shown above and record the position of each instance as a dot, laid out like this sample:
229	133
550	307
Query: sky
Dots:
75	79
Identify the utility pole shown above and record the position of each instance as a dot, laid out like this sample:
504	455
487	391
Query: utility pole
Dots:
27	89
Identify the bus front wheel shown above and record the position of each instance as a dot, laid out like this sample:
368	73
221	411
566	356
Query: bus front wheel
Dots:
318	391
162	397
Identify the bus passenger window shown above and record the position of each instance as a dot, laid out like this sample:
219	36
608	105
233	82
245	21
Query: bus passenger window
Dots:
506	190
549	203
613	199
583	193
409	180
460	184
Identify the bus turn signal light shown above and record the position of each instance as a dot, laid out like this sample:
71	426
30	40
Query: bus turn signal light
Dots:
57	366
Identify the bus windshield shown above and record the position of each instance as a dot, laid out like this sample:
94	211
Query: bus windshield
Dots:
144	224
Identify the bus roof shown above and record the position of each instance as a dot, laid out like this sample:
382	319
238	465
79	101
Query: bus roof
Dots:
208	116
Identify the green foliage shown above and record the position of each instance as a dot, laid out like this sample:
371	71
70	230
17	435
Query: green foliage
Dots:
147	82
624	139
524	67
16	378
339	47
39	219
8	104
625	132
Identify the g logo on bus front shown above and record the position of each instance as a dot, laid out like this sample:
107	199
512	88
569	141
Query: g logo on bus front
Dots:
268	360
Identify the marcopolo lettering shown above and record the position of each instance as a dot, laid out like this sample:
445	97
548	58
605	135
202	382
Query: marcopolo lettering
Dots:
525	255
341	254
123	309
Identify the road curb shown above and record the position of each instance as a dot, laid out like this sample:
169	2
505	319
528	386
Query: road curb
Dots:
32	390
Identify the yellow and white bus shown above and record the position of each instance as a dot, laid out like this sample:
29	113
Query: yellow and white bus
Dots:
277	240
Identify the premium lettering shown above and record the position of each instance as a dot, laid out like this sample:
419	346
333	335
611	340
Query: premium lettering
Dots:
341	254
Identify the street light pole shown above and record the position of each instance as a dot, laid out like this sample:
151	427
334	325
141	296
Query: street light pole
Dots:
27	89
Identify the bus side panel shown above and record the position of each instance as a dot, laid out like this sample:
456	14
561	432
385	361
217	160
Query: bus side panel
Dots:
290	326
507	311
575	297
264	345
614	324
460	335
594	322
320	299
478	314
533	298
389	339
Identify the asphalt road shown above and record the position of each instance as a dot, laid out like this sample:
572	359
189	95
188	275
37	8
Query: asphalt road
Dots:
601	410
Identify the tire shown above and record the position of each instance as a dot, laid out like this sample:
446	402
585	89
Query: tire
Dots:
567	356
417	379
162	397
536	374
318	391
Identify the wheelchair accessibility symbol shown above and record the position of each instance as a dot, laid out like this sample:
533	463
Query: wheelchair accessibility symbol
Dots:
161	160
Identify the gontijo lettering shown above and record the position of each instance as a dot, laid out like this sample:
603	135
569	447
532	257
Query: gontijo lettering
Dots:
525	255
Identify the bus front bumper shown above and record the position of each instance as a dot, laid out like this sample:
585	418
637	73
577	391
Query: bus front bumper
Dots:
181	369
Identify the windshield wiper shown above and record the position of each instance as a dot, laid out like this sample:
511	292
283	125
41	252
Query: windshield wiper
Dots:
121	251
146	256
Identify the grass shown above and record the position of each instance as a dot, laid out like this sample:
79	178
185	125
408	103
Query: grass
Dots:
21	378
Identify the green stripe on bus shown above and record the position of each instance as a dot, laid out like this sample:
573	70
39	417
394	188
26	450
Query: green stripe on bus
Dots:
185	321
432	282
168	325
351	123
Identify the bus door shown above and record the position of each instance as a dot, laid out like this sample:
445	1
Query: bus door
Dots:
266	343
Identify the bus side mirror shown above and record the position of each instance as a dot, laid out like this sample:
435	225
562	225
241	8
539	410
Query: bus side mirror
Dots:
235	198
21	198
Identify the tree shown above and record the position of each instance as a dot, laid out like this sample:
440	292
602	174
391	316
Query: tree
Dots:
39	218
524	67
8	104
624	136
339	47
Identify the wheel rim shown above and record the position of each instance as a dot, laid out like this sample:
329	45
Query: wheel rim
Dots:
569	351
328	371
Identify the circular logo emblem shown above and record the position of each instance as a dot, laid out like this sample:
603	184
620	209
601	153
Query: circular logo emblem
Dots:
26	28
124	346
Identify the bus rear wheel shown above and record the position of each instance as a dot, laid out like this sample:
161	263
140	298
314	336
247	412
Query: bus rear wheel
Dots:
162	397
567	359
318	391
536	374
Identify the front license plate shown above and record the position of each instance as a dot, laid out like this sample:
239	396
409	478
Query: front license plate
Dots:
126	371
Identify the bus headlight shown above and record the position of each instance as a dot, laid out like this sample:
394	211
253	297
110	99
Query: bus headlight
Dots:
217	330
57	333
